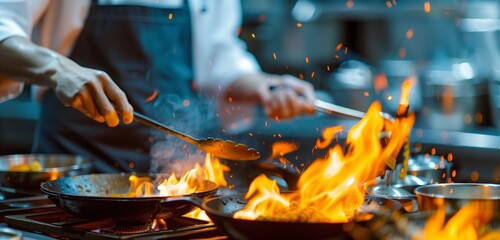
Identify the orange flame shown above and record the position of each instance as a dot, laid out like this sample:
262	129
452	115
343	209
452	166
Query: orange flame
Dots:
468	223
330	189
405	92
212	170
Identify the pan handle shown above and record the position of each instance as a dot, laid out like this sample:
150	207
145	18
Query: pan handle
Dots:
173	202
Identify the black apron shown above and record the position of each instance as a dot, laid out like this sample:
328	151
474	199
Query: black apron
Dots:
147	52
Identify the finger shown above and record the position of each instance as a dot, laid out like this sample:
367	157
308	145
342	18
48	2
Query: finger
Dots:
292	104
77	104
302	87
281	108
88	102
118	97
104	107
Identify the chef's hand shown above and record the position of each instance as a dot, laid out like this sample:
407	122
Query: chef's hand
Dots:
281	96
90	91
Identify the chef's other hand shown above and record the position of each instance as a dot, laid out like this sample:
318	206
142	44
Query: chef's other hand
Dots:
93	93
281	96
90	91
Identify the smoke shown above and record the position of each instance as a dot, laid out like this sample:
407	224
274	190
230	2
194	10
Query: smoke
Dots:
195	117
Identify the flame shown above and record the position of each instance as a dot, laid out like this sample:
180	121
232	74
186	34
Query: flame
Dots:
279	149
470	222
405	91
198	214
159	224
330	189
212	170
328	135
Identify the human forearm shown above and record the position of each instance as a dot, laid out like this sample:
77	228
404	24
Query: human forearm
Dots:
90	91
24	61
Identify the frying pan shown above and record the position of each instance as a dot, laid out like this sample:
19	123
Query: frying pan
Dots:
95	196
53	166
221	209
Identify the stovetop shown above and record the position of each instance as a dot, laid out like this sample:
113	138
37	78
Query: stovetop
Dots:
40	216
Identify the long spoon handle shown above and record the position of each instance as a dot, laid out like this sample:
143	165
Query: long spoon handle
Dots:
157	125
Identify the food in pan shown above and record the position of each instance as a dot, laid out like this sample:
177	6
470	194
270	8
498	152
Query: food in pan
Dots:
34	166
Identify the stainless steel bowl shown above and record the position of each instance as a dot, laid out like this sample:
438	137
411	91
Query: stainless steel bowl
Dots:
52	166
424	169
453	196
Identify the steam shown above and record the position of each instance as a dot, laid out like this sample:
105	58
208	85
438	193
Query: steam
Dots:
193	116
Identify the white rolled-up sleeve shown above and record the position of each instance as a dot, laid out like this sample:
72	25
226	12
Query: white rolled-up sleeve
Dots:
220	56
17	19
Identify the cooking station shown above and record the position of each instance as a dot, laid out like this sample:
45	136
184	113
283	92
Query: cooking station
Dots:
36	217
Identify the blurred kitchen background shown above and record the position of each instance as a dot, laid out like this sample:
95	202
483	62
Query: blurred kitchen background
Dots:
358	51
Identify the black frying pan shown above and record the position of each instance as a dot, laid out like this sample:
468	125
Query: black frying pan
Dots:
221	209
89	196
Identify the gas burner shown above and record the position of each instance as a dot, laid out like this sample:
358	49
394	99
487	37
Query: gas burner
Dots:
127	228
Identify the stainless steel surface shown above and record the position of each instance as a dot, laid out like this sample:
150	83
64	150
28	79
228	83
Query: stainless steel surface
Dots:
52	166
218	147
454	196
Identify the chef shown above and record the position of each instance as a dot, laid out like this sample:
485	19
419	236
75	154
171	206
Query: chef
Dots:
102	59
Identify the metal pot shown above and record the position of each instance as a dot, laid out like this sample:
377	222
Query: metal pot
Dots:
424	169
52	166
456	195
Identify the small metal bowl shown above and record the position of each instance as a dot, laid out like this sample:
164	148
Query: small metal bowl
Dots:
424	169
52	166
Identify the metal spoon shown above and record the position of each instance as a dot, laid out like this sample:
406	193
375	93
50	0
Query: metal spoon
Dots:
344	111
218	147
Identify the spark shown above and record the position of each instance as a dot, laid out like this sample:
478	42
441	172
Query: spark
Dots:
402	52
479	117
307	59
339	46
388	4
427	7
152	96
328	68
349	3
474	176
170	16
253	35
409	33
299	25
274	56
312	75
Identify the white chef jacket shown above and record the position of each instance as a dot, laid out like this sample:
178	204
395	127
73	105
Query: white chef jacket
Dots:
219	56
